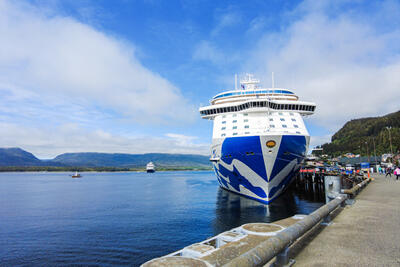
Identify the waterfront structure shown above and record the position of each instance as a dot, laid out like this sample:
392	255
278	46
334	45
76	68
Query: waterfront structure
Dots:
259	138
150	167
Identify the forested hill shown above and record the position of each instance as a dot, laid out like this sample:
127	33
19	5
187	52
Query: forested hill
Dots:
358	135
131	160
15	156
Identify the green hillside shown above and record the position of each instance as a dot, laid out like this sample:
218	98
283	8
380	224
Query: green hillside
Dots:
356	136
131	160
16	157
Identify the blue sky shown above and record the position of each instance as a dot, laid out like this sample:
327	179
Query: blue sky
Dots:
129	76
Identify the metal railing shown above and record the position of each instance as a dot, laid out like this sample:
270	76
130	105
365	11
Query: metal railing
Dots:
352	192
278	244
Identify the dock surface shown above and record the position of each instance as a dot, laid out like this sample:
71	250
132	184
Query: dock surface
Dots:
364	234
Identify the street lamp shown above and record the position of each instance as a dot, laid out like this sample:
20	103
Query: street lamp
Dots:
390	140
376	163
367	151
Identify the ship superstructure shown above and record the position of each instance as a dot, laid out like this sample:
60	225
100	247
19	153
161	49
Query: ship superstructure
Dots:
259	138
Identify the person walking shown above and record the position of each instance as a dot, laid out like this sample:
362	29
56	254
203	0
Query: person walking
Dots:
388	172
397	173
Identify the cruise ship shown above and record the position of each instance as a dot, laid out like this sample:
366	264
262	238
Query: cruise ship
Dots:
259	138
150	168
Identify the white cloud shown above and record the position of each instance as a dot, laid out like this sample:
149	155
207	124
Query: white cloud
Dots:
52	141
225	20
47	54
347	63
206	51
257	24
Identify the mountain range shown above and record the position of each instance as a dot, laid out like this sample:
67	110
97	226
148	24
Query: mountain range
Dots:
21	158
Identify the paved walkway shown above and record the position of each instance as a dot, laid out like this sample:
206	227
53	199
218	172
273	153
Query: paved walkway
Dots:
365	234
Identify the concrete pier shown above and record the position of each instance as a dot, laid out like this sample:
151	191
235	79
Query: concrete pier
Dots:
364	234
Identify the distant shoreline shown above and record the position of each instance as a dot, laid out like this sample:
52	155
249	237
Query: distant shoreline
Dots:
94	169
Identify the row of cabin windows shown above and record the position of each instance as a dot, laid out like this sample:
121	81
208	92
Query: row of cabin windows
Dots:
271	126
256	104
283	126
223	135
235	115
282	119
235	121
235	127
271	119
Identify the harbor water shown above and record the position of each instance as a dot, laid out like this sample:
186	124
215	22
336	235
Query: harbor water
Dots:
50	219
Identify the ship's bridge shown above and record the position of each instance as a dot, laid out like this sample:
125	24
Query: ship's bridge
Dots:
258	105
251	98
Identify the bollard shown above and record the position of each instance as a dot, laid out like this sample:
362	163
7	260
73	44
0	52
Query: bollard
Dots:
333	187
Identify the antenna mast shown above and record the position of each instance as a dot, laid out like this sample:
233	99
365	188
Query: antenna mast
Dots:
235	81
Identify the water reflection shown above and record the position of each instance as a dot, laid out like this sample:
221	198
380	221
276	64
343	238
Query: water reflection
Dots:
233	210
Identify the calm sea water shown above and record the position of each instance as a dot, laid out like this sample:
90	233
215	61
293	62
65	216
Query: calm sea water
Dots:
120	218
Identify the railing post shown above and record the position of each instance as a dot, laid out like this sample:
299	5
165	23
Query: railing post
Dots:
333	186
327	219
282	259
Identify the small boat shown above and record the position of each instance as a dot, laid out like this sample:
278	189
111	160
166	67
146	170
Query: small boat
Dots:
76	175
150	167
